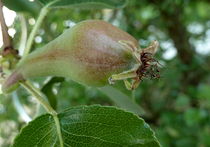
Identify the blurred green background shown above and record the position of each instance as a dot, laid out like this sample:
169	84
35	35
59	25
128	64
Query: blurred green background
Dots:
177	106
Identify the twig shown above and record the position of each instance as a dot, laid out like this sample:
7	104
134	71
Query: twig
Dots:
6	38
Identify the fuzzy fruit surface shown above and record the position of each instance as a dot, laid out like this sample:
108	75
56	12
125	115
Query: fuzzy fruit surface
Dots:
88	53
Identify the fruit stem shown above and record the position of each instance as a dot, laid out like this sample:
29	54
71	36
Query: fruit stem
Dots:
37	25
39	97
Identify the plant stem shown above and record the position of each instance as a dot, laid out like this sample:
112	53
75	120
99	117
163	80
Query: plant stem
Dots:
38	95
37	25
58	128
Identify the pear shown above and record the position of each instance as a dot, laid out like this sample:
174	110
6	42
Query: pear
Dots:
89	53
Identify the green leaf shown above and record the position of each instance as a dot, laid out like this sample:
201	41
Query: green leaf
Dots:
47	89
23	6
89	126
122	100
87	4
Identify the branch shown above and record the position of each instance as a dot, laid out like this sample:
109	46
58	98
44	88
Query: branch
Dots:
6	38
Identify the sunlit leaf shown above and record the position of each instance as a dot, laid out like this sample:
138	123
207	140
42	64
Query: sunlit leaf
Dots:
89	126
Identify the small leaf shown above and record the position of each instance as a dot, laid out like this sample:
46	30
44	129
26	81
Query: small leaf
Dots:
23	6
89	126
47	89
87	4
122	100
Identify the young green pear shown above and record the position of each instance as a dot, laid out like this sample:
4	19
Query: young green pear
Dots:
89	53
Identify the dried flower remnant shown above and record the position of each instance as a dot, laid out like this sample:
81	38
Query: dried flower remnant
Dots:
148	66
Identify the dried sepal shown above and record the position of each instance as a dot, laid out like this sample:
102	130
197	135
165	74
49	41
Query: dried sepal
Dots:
147	66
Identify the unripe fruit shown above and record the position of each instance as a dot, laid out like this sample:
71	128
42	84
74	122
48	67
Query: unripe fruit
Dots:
88	53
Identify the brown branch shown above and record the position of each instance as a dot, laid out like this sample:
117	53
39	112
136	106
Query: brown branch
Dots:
7	41
6	38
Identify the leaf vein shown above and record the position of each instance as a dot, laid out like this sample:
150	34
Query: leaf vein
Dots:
96	138
44	136
37	130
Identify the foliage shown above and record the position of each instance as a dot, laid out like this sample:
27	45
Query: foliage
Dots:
86	126
177	106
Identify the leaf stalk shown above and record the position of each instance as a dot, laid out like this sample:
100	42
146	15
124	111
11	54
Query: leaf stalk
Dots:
39	97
